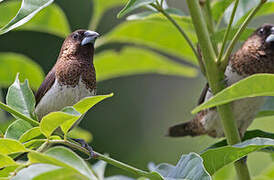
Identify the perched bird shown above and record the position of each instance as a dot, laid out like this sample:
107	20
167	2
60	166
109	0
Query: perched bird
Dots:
255	56
72	77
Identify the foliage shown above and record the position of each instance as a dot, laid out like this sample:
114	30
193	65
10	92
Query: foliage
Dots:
144	50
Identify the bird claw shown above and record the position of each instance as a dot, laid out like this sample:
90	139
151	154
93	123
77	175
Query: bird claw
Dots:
85	145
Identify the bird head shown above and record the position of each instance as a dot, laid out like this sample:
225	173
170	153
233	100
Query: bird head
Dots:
79	43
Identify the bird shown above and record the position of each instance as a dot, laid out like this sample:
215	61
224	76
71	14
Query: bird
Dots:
72	78
256	55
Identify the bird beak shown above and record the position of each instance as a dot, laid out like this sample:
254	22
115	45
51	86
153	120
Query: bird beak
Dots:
89	37
270	38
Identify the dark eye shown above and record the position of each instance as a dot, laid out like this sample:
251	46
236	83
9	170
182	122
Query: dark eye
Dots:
261	31
75	36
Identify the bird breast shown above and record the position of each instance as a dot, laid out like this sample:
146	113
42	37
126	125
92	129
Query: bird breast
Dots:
60	96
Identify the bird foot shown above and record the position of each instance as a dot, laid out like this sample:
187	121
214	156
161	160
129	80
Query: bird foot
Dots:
85	145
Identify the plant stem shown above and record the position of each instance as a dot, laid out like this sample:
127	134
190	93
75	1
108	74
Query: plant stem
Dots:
216	83
18	114
228	30
225	59
161	10
109	160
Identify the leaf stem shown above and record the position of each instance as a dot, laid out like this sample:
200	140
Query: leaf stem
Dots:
225	59
109	160
185	36
18	114
228	31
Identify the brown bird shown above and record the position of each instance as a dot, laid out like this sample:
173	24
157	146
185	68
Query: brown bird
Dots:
72	77
255	56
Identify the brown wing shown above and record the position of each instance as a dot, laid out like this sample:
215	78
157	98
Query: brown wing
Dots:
45	86
203	94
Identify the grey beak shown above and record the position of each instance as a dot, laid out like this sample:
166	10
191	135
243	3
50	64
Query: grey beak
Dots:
89	37
270	38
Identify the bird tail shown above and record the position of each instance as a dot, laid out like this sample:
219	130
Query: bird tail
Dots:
189	128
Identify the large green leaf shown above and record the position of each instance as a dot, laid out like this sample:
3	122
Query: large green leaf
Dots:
131	61
267	174
215	159
17	128
163	36
100	6
218	9
134	4
266	9
243	8
63	157
12	63
30	134
189	167
245	88
68	116
21	98
6	161
11	146
5	172
50	20
53	120
33	171
60	174
27	10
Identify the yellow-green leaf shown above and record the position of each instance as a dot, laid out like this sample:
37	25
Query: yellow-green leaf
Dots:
255	85
10	146
12	63
131	61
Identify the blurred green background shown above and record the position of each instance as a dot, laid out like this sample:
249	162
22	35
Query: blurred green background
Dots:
131	126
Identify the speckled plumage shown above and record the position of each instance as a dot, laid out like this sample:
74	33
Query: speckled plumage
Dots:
255	56
71	79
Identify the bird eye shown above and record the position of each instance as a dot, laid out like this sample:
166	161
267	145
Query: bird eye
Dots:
75	36
261	31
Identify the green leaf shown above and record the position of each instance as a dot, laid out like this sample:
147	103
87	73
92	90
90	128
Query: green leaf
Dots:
267	174
99	169
11	146
82	107
243	8
17	128
63	157
30	134
12	63
18	114
33	171
215	159
162	36
51	20
5	172
189	167
101	6
247	87
6	161
218	9
53	120
69	115
131	61
248	135
132	5
60	174
28	9
35	143
266	9
21	98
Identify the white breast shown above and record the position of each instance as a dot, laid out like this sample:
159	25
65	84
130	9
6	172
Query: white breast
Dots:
60	96
244	110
